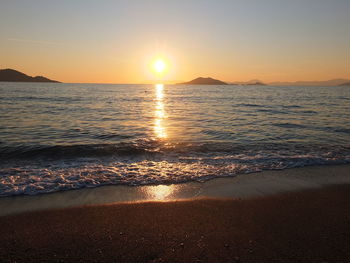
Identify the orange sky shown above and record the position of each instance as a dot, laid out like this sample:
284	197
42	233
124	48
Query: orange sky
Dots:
115	41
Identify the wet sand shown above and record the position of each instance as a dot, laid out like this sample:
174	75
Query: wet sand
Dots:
241	186
302	226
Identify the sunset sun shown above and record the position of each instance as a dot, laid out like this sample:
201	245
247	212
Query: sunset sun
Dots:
159	66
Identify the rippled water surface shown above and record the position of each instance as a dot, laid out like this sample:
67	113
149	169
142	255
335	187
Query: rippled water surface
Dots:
66	136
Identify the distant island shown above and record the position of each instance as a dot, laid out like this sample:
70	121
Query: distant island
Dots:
203	81
252	82
211	81
325	83
12	75
258	83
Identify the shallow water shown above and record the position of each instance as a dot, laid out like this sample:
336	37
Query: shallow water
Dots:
64	136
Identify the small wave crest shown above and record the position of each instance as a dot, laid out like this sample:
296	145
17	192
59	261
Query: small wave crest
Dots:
149	147
165	164
76	151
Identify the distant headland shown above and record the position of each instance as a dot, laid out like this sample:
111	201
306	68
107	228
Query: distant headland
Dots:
256	82
12	75
204	81
320	83
253	82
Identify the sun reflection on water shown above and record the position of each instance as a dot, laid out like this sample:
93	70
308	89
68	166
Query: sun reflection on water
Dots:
159	129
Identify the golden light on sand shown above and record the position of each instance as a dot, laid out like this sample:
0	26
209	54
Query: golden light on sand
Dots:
159	66
160	192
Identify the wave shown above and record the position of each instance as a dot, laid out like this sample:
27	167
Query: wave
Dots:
71	151
140	147
150	162
289	125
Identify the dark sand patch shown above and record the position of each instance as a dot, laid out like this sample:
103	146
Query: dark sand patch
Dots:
306	226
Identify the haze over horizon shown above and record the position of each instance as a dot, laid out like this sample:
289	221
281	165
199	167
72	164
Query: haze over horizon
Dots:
114	41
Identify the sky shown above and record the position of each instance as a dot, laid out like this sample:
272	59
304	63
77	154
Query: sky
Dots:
235	40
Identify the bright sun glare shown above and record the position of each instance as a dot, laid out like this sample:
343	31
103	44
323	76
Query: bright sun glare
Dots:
159	66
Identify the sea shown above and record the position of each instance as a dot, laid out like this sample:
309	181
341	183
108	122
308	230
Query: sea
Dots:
59	137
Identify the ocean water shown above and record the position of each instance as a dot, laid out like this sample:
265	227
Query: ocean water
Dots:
56	137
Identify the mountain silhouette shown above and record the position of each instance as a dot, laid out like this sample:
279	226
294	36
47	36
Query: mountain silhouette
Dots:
258	83
204	81
331	83
12	75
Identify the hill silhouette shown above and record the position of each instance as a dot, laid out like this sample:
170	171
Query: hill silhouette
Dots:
331	83
258	83
12	75
252	82
204	81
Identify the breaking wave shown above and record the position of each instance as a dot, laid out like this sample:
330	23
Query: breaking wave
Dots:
45	169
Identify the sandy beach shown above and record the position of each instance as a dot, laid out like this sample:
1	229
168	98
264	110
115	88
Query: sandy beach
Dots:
306	225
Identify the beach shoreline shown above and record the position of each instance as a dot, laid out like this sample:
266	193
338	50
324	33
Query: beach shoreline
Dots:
259	184
299	226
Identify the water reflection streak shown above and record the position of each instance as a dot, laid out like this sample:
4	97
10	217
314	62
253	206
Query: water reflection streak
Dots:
160	115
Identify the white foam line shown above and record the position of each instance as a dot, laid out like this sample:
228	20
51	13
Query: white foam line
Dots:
242	186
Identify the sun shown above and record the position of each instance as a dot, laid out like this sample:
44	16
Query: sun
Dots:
159	66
